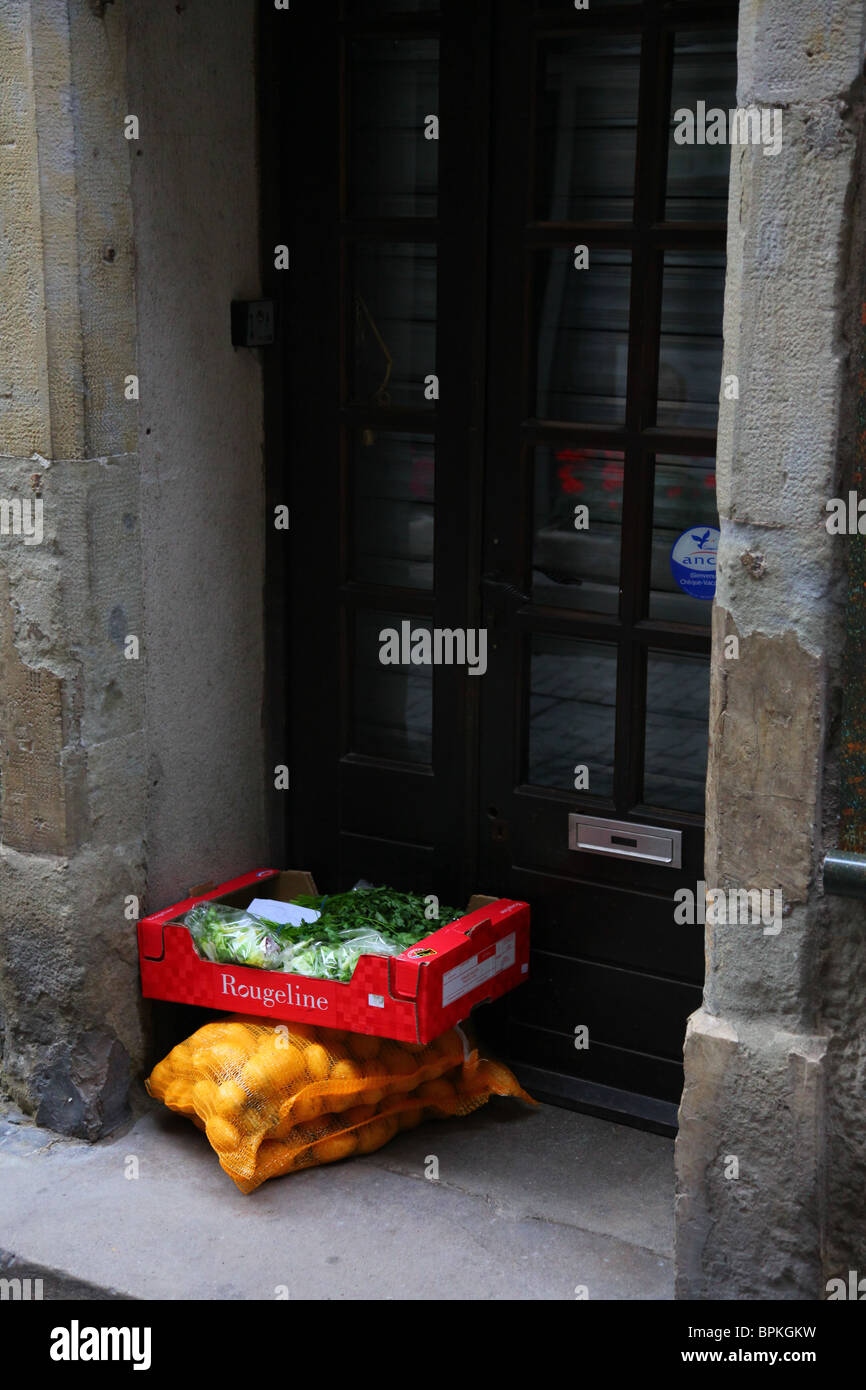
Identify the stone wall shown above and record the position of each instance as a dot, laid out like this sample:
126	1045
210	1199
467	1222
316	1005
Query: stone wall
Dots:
73	750
124	775
770	1152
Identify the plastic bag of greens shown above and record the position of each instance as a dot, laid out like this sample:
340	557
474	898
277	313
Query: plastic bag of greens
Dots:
231	937
336	959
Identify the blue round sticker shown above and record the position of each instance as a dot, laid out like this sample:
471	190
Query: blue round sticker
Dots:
693	561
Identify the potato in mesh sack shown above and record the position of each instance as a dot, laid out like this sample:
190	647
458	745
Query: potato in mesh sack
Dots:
274	1098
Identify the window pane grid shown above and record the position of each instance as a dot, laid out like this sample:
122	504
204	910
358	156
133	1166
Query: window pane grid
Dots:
675	272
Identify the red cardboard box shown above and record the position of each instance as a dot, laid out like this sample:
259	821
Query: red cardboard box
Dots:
413	997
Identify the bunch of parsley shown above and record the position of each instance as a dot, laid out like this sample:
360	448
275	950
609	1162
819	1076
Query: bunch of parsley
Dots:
400	917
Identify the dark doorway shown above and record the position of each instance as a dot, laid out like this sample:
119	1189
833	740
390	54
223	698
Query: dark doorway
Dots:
504	306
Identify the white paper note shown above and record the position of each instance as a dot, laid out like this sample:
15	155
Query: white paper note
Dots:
282	912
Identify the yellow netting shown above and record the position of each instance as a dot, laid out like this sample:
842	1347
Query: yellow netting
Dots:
277	1097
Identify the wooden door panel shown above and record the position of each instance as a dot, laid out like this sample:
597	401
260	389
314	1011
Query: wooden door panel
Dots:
408	867
375	801
629	1009
612	925
554	1069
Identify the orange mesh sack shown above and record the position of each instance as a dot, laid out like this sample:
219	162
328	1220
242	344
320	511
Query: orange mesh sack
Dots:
277	1097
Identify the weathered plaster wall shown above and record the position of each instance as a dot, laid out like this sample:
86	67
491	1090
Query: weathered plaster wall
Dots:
122	777
195	197
773	1058
72	745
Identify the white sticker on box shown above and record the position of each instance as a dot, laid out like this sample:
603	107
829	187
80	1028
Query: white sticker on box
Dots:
463	979
376	1001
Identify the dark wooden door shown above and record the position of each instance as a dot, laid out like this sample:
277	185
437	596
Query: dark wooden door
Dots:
380	382
483	333
607	277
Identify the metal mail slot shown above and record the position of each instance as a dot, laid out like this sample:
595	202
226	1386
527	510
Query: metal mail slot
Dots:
649	844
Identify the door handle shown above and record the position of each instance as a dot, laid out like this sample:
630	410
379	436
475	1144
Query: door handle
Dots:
500	592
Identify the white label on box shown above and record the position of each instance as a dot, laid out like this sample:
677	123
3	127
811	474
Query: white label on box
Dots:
463	979
376	1001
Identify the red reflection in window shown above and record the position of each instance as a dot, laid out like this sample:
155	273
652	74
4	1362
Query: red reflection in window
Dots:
423	473
612	475
568	482
571	462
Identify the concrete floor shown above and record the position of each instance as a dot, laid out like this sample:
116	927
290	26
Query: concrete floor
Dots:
529	1205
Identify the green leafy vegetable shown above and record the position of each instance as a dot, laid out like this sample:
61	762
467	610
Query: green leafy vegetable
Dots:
235	938
367	921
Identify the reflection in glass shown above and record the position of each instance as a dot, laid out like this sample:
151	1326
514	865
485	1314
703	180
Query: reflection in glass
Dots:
575	566
685	497
678	708
392	714
393	510
690	362
582	336
705	69
393	166
595	4
374	9
587	128
393	323
572	713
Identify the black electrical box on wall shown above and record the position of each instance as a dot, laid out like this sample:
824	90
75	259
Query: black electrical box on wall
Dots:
254	322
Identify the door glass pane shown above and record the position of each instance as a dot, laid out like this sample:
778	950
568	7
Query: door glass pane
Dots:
678	710
374	9
705	70
393	165
572	714
393	478
690	362
582	336
588	99
557	6
393	323
576	557
685	498
392	714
